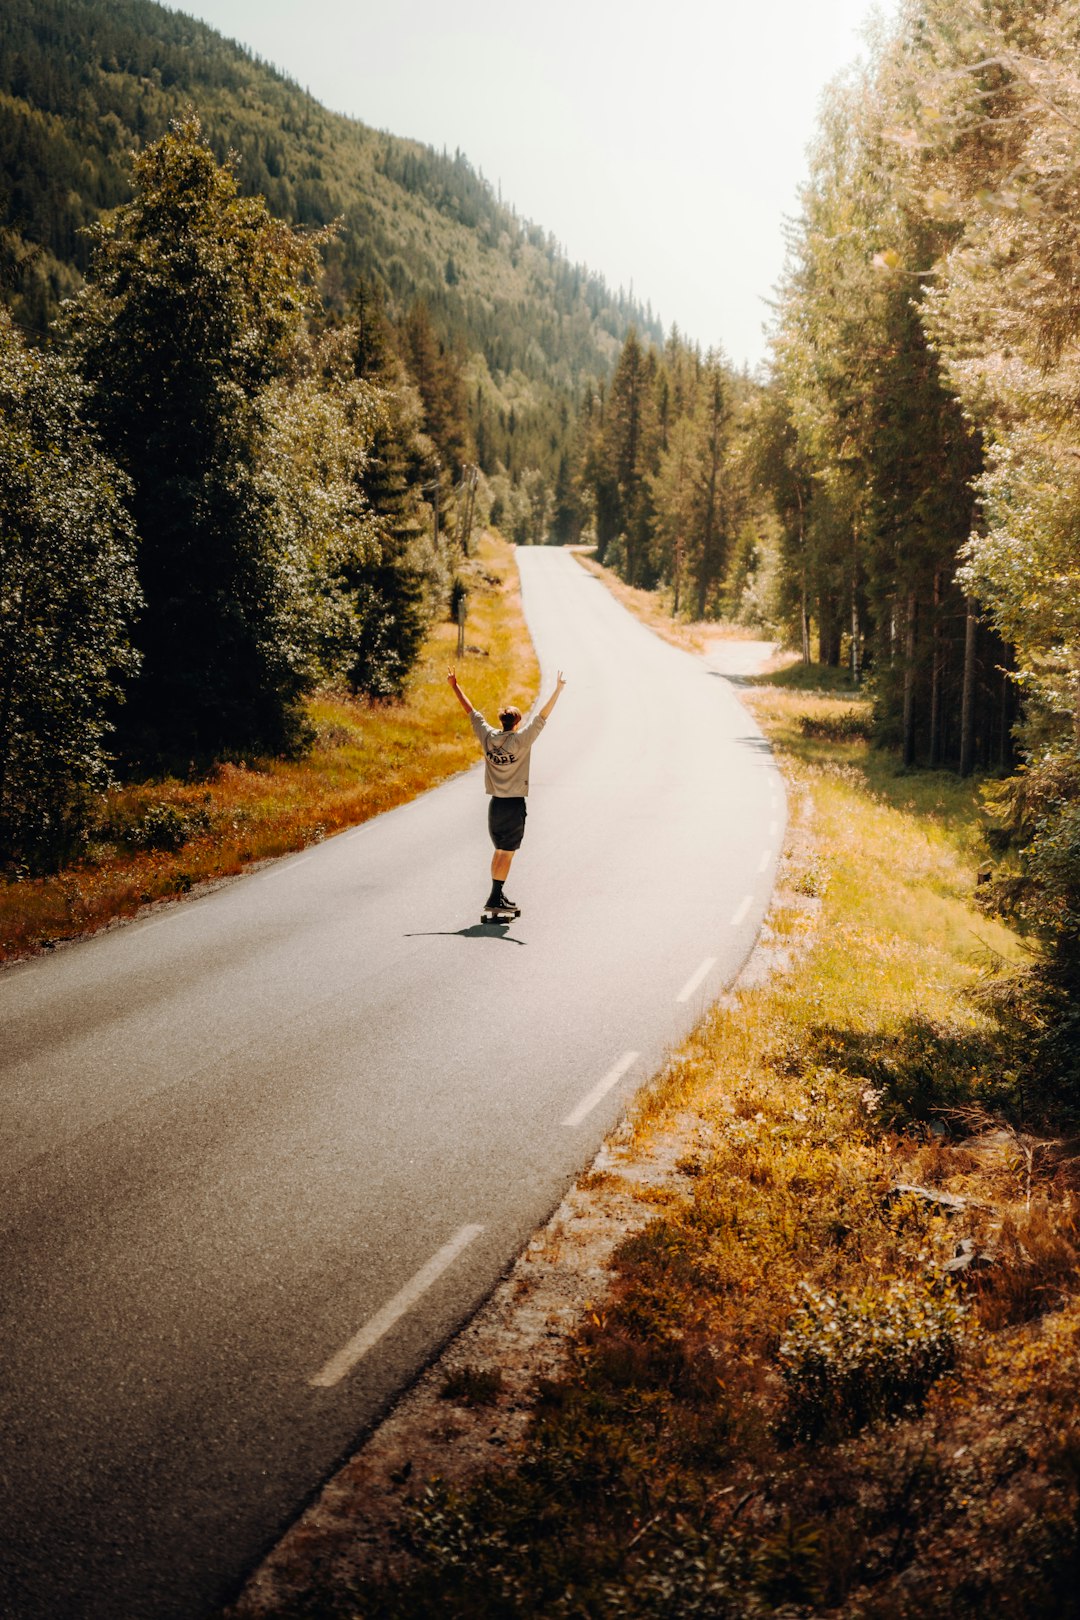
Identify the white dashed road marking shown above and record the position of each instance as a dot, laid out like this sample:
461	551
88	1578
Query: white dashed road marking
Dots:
695	979
601	1089
392	1312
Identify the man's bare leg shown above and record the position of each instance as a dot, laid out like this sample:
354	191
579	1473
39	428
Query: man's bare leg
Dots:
500	870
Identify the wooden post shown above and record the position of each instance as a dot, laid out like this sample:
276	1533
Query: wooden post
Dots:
462	610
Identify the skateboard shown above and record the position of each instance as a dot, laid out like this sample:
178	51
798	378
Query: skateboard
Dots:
500	914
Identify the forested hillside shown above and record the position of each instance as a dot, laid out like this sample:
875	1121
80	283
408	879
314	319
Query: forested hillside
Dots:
260	370
84	82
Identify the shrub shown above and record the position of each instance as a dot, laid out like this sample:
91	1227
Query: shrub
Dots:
850	725
166	826
849	1361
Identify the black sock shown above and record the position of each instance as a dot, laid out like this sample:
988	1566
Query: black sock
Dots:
496	890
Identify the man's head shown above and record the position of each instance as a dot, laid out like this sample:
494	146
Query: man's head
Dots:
510	718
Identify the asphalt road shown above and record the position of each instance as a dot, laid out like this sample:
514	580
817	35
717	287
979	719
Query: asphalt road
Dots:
262	1153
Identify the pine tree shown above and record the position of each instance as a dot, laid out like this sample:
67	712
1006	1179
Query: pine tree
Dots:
195	306
628	445
68	595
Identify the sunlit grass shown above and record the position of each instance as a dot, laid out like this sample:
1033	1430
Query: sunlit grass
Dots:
654	609
366	757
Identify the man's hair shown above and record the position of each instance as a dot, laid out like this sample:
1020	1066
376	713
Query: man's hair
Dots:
509	717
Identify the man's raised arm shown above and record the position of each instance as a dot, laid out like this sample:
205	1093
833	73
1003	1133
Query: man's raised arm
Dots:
560	682
451	676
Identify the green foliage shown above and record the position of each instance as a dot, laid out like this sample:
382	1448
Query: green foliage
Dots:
846	725
85	82
924	1069
926	374
68	594
194	309
850	1360
662	481
166	826
865	450
437	373
693	1578
1036	818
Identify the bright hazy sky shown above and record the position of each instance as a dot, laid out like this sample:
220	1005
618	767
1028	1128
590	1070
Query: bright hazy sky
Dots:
661	144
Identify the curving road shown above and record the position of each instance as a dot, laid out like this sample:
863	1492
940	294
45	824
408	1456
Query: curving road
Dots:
261	1154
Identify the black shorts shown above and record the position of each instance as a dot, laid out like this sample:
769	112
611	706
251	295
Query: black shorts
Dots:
506	822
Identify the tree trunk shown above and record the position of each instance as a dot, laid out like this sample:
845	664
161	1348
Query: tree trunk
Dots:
804	606
856	651
829	617
910	639
935	678
967	704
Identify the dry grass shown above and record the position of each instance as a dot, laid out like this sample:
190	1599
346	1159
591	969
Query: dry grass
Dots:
792	1402
653	608
365	758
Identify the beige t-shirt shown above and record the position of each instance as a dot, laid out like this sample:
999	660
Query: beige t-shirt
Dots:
506	755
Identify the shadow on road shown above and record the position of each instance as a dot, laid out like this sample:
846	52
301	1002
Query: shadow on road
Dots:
732	679
477	931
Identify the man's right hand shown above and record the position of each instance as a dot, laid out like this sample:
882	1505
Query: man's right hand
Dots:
451	676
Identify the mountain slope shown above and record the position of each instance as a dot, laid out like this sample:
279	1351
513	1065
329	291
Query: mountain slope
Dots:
83	82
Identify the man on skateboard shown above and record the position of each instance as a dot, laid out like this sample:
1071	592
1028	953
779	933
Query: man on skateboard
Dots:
506	778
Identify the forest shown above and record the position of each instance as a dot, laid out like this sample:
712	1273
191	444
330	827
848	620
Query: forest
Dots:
262	370
84	83
243	396
900	497
920	437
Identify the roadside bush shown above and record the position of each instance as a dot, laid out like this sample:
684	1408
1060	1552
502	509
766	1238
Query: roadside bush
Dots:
849	1361
922	1069
166	826
849	725
68	596
696	1579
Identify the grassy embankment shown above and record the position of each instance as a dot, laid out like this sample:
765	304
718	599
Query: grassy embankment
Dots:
653	608
786	1405
157	839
